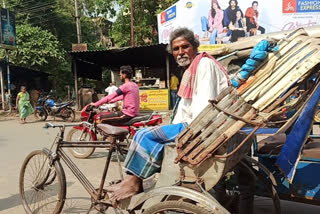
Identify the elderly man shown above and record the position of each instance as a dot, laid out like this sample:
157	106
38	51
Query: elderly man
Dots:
203	79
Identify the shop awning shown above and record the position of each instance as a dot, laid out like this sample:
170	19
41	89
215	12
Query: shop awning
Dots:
90	63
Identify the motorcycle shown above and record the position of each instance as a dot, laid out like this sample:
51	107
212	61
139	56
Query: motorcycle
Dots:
92	133
46	106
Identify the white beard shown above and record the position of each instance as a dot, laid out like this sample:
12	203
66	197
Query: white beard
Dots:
183	61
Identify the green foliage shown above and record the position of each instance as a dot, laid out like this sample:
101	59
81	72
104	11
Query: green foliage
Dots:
40	50
37	49
145	21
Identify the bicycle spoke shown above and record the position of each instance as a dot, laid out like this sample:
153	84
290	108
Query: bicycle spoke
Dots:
41	187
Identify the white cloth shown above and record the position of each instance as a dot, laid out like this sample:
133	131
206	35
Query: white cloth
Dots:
111	89
209	82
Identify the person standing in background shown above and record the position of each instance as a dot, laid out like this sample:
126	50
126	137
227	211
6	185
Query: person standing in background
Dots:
23	104
111	89
174	82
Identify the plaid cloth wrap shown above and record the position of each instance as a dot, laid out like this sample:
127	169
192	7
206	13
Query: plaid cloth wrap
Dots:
145	154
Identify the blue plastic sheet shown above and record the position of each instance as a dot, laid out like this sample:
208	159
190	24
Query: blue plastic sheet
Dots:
258	54
290	152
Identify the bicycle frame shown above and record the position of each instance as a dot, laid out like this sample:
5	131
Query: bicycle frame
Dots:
99	200
60	154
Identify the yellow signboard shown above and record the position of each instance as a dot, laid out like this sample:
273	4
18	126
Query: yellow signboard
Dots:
210	47
154	99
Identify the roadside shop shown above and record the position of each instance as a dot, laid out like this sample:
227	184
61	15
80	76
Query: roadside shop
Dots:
152	65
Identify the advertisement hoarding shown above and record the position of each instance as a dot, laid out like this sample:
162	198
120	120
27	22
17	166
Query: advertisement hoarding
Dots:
8	28
274	15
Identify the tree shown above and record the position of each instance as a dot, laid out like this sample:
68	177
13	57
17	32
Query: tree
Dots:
37	48
145	21
40	50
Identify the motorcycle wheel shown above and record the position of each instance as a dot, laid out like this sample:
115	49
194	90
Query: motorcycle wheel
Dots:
40	115
71	113
76	135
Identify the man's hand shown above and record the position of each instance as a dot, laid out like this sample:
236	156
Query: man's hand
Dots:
90	107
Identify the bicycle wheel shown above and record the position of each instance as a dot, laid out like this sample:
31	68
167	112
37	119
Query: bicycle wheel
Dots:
42	188
40	115
76	135
175	207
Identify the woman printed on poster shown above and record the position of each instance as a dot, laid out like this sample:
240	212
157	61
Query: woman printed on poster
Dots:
213	24
238	26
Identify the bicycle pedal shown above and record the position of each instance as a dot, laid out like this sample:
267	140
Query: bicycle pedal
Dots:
114	182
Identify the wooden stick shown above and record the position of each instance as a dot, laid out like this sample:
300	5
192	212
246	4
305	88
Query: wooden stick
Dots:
280	74
290	78
204	113
222	138
270	66
266	68
281	100
297	114
195	128
215	137
209	129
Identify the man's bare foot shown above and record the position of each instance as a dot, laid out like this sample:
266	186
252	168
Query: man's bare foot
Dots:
130	186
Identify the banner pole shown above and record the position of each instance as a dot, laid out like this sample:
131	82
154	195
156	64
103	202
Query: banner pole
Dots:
2	88
8	75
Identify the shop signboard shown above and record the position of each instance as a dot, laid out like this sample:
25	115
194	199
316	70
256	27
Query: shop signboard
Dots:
154	99
274	15
7	29
79	47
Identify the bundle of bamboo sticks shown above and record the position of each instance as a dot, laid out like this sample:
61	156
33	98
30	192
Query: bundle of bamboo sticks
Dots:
254	103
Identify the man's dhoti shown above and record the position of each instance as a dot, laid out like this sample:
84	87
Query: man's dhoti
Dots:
145	154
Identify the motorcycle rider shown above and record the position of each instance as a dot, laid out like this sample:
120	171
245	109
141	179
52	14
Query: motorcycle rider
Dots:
129	93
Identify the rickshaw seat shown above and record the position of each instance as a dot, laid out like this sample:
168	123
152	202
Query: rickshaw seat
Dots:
272	145
312	149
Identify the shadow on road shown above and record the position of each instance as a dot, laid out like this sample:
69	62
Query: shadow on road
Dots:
15	200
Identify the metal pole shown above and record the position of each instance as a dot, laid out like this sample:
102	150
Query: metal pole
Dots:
132	23
76	83
2	89
77	21
1	72
168	78
168	71
8	75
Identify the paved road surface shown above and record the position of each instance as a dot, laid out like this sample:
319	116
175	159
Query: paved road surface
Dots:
16	141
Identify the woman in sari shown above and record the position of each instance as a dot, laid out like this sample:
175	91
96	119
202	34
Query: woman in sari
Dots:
23	104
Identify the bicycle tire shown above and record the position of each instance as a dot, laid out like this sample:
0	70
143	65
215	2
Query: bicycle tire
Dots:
38	116
176	207
37	198
81	153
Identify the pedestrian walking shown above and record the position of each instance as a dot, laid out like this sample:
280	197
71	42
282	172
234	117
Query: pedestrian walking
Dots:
23	104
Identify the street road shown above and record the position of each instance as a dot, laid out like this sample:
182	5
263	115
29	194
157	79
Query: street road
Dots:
17	141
